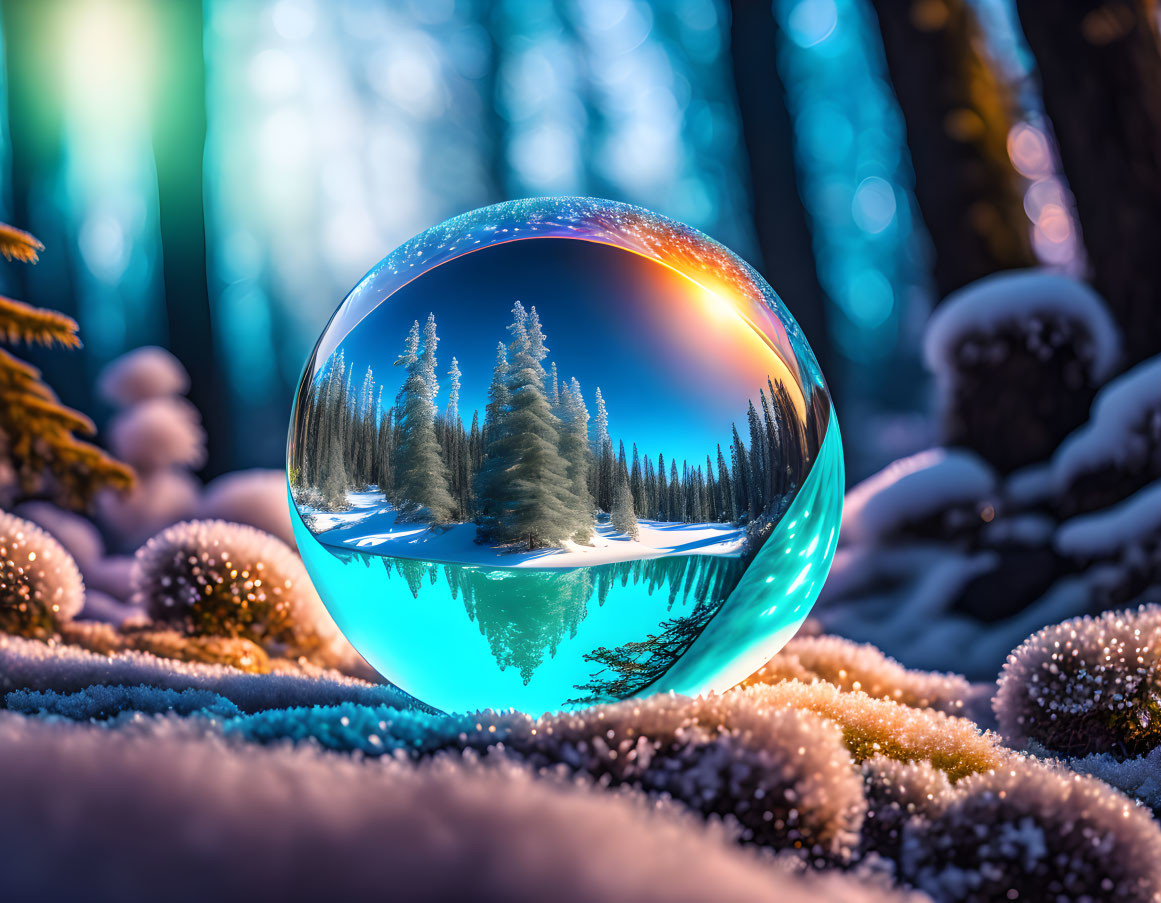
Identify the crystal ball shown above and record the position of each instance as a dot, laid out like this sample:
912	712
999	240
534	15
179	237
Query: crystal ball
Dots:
564	451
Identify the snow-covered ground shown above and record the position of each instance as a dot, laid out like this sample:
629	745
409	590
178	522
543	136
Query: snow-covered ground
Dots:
370	526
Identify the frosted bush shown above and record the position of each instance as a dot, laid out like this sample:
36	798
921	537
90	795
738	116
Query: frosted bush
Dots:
1092	684
782	774
212	578
142	374
897	794
35	665
101	702
157	500
158	433
181	817
1018	356
255	497
956	746
855	666
938	492
1028	832
40	586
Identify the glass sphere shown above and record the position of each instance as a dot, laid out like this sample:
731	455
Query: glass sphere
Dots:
563	451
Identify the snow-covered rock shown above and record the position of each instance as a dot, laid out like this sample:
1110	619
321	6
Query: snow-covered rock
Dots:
256	497
1020	296
913	489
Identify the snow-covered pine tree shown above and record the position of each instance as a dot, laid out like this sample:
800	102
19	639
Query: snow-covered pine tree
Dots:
757	458
574	448
603	452
553	387
636	482
676	502
727	501
421	474
528	492
624	519
453	396
662	490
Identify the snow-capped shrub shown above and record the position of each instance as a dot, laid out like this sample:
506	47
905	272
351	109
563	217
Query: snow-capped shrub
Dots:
783	774
212	578
1119	450
142	374
874	727
860	666
158	433
897	793
938	493
1032	833
1018	357
158	500
40	586
182	817
255	497
1092	684
101	702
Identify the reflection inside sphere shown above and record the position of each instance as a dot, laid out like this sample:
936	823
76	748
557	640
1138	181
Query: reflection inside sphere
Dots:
563	452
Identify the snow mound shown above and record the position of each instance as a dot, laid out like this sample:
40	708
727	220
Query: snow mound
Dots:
77	534
186	818
157	501
1112	531
1110	438
34	665
372	524
141	374
1017	296
912	489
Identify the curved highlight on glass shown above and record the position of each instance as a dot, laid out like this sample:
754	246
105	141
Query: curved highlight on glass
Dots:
562	451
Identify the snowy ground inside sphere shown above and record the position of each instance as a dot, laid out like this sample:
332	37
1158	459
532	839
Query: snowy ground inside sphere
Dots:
370	525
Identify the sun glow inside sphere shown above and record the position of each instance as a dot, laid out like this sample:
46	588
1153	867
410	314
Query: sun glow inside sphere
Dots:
563	451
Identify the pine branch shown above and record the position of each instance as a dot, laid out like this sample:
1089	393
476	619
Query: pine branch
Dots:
20	322
36	431
16	244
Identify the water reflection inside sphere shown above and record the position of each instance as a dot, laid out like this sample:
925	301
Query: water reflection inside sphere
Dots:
564	451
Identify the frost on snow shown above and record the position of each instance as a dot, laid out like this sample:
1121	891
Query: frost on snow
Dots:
783	774
40	586
159	813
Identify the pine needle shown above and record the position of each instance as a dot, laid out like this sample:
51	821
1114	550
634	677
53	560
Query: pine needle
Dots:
20	322
16	244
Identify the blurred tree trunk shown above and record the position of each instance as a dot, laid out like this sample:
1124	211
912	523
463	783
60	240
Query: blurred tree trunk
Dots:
179	138
779	216
37	149
1100	71
957	115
